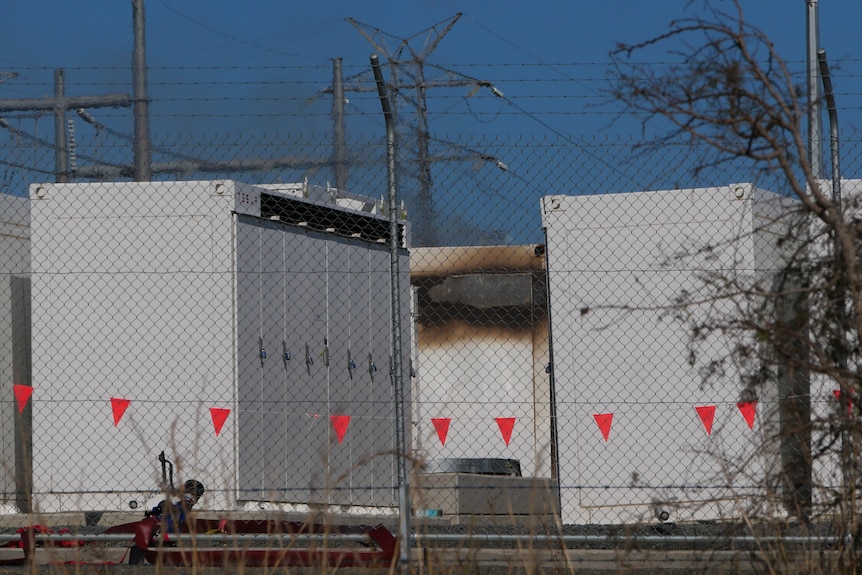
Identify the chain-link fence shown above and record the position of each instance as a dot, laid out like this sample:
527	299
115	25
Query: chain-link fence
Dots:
236	314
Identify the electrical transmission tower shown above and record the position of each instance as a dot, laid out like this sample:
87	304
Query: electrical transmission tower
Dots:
408	84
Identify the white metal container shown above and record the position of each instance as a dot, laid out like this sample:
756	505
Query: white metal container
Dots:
624	360
14	345
219	322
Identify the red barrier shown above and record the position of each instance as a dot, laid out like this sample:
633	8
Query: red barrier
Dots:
150	544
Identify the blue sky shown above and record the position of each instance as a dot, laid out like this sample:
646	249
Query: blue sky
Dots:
258	67
518	46
265	32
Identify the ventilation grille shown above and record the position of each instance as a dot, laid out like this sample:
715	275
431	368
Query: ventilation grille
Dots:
326	219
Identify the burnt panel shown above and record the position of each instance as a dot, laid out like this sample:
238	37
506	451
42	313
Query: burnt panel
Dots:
502	301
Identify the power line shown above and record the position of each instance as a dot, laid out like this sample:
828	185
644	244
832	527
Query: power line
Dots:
556	66
26	167
45	143
59	104
568	139
222	33
524	51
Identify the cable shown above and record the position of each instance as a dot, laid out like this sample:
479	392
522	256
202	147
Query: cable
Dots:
46	143
131	139
841	72
536	119
522	50
227	35
28	168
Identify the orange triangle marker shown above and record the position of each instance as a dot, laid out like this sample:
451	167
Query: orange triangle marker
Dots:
441	424
604	420
219	416
118	407
748	410
837	394
22	395
506	425
339	424
707	415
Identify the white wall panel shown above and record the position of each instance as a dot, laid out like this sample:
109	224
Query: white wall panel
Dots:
617	263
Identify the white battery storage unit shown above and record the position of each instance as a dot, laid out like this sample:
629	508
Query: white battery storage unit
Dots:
651	423
14	349
242	329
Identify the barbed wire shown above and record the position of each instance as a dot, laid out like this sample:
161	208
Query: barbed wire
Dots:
347	66
155	83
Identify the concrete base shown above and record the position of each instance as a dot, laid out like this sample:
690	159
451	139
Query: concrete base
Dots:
462	494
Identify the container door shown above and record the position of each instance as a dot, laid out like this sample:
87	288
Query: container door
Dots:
342	441
381	395
313	288
362	422
248	287
303	418
271	438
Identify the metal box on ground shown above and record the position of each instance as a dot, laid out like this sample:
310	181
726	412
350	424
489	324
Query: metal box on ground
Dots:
469	494
242	329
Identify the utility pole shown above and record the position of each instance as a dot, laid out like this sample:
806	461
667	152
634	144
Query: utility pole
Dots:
791	396
395	246
59	104
61	159
815	119
142	153
425	232
339	140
